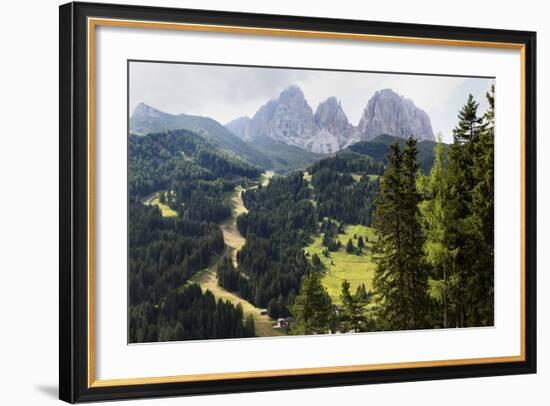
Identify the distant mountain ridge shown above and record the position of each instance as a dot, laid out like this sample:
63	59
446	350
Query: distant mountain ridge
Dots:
290	120
277	156
379	149
146	119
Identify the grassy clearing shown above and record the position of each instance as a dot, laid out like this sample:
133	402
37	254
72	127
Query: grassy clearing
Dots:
165	210
266	177
340	266
357	177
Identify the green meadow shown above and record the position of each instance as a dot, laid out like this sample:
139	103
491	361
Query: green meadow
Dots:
341	265
165	210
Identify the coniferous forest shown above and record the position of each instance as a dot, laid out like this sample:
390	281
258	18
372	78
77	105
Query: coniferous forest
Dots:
388	234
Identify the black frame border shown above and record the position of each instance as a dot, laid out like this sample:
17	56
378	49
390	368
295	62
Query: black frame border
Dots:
73	195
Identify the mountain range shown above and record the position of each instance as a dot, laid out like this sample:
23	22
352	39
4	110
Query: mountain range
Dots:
266	154
285	134
289	119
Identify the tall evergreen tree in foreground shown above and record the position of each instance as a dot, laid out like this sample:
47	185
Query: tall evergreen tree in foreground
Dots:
480	286
457	220
435	220
401	279
312	310
462	240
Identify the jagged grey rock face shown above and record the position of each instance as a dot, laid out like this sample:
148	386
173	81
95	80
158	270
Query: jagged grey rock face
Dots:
290	120
258	126
333	122
389	113
239	127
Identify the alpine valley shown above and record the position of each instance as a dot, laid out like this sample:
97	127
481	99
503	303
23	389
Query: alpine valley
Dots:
295	221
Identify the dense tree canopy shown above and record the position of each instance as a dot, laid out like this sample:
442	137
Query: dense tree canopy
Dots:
345	187
280	220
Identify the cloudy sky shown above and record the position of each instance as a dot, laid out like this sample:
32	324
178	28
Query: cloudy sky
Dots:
227	92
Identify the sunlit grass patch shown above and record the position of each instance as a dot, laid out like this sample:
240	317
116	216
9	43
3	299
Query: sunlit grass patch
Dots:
340	265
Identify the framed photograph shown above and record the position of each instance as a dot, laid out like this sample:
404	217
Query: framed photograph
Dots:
257	202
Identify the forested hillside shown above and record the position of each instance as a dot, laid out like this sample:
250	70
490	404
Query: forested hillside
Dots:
388	234
379	149
280	219
146	120
193	178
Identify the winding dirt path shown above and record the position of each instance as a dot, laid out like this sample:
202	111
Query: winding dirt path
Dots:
234	241
231	235
263	324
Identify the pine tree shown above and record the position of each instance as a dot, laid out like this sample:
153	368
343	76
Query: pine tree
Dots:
352	316
435	220
312	310
389	280
249	326
401	278
362	293
415	266
480	286
469	123
462	240
281	305
272	308
316	261
349	246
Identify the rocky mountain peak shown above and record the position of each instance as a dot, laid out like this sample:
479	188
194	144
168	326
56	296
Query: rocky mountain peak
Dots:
292	96
335	128
330	112
390	113
289	119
